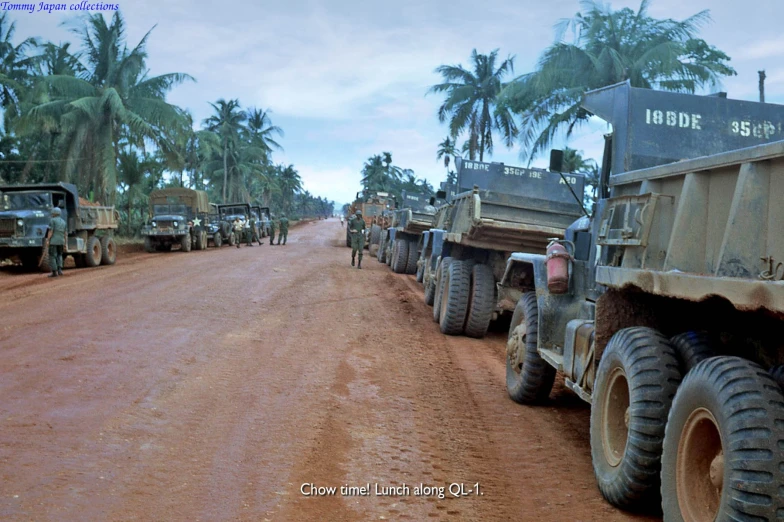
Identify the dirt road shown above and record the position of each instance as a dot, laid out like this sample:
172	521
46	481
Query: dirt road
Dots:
213	385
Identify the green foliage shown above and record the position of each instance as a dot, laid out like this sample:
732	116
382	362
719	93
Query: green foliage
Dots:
470	104
96	118
608	47
379	174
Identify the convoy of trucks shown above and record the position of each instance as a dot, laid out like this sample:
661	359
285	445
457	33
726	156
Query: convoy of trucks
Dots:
664	309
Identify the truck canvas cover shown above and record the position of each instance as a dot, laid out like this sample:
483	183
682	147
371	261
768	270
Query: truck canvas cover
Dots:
195	199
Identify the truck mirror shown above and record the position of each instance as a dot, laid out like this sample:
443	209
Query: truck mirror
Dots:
441	194
556	160
432	200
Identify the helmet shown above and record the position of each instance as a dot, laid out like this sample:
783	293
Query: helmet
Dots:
283	215
358	212
56	211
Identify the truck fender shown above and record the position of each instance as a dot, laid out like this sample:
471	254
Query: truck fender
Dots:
532	262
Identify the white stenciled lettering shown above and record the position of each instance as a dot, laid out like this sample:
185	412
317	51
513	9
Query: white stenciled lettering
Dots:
683	120
672	118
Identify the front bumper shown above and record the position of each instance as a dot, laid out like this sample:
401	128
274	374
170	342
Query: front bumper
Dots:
164	232
21	242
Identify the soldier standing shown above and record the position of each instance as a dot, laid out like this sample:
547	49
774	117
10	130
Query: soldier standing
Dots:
249	231
237	231
254	230
284	229
341	221
56	236
272	229
356	226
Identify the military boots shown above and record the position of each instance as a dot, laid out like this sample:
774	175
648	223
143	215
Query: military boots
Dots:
359	265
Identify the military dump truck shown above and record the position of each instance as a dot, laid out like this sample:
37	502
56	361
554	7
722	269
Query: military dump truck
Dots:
509	209
415	217
25	211
227	212
372	205
665	311
178	216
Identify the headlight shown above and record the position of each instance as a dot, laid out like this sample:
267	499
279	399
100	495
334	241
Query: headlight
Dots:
19	223
175	224
154	224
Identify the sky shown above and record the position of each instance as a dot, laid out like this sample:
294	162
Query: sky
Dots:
347	79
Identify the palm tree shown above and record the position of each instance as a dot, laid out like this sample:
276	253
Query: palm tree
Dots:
290	183
446	150
115	98
227	122
609	47
471	102
261	130
15	67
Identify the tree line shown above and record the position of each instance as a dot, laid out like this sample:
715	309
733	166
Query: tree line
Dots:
599	46
95	117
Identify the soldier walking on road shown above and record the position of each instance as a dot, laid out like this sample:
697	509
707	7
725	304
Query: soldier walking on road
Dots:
341	221
284	229
56	236
356	226
272	230
237	231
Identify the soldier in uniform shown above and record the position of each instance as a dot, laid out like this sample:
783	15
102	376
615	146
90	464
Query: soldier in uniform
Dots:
341	221
249	230
237	231
56	236
356	226
284	229
272	229
254	230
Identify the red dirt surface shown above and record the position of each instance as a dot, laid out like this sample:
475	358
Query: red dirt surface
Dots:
211	385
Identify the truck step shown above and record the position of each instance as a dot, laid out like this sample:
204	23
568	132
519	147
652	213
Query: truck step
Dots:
584	395
553	358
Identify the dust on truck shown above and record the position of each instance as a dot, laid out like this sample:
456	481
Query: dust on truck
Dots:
25	211
178	216
667	314
509	209
416	217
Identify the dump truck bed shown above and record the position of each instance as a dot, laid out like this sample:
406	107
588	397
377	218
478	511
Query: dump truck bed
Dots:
520	210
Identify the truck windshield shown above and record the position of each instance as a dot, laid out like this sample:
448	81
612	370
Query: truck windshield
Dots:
169	209
233	211
26	200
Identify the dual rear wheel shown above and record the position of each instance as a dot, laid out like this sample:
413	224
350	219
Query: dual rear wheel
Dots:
707	448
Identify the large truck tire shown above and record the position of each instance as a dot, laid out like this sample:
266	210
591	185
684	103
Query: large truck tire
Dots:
420	271
108	250
375	235
413	256
148	246
373	250
529	378
232	239
93	254
217	239
722	445
381	254
400	256
442	275
388	255
201	242
692	348
348	237
186	243
482	301
636	380
454	301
